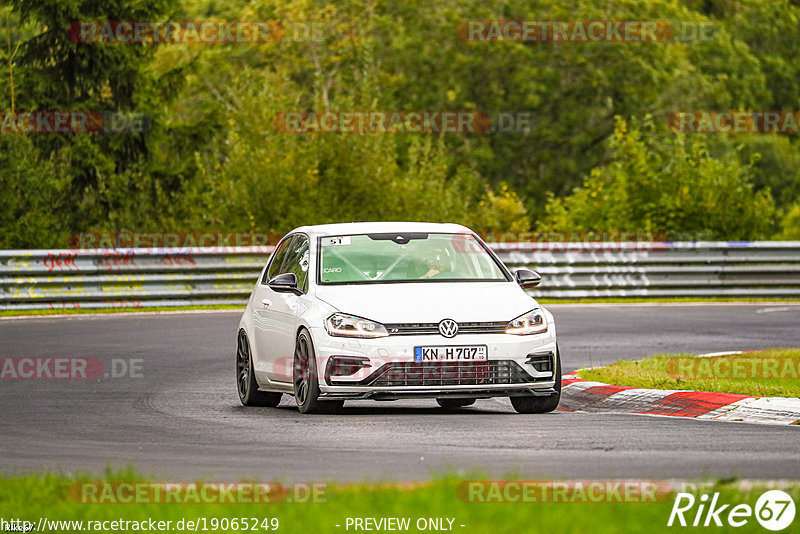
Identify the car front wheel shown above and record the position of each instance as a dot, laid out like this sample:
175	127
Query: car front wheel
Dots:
306	378
533	404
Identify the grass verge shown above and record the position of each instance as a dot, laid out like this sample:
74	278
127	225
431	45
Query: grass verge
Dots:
769	373
49	497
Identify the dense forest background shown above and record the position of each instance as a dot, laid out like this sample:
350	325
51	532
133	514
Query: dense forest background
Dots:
598	154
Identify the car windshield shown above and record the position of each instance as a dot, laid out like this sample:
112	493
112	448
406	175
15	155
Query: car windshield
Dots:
405	257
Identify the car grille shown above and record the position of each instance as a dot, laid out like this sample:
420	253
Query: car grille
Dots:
447	374
412	329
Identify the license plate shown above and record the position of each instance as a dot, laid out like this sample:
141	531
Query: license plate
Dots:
450	353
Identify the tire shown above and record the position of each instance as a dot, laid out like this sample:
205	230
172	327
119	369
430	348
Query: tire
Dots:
532	404
246	384
306	379
452	404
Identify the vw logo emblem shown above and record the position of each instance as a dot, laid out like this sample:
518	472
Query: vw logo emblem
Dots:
448	328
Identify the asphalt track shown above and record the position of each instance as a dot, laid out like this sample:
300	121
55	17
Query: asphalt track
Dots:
181	419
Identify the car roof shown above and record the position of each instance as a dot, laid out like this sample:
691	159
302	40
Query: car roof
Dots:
381	227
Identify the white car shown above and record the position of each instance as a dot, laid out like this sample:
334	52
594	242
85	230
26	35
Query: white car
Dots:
394	310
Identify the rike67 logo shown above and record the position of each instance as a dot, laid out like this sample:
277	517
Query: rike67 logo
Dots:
774	510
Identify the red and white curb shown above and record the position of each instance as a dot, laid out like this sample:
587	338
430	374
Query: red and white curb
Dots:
579	395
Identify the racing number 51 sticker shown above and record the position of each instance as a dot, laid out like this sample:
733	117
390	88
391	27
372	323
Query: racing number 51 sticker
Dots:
334	241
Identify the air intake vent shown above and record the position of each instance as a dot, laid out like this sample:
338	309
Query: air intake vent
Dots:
541	361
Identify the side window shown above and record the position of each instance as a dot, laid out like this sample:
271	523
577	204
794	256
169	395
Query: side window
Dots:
297	259
278	256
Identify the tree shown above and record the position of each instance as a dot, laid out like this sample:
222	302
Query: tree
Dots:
791	224
665	183
32	191
572	90
59	74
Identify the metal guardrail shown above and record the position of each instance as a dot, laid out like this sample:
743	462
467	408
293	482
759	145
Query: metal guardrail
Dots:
138	277
673	269
128	278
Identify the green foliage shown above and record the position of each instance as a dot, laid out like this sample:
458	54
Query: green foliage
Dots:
791	224
256	175
573	90
54	73
70	73
214	160
502	211
771	31
775	158
31	188
664	183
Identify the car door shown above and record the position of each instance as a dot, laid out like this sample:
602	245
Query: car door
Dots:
275	313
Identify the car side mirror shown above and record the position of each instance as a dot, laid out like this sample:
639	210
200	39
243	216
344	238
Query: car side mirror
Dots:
527	278
284	283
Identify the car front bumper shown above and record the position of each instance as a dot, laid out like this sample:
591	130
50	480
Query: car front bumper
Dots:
389	371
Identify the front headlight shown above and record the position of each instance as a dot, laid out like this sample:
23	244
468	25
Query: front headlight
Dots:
341	324
533	322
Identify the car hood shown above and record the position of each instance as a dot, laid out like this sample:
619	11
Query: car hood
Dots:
430	302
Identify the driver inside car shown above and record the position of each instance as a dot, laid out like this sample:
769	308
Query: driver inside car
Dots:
438	261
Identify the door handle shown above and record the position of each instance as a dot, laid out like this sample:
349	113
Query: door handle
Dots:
266	302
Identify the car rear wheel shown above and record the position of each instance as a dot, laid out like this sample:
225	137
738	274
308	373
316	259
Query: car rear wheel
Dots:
533	404
246	383
306	379
450	404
